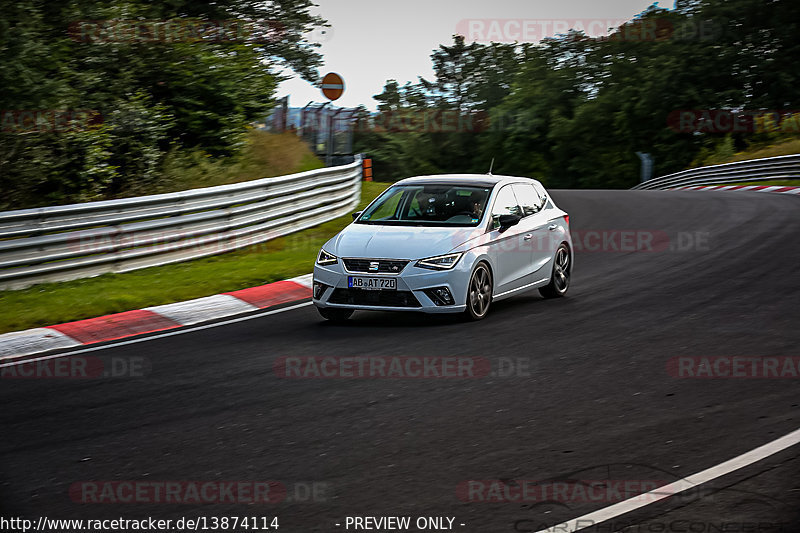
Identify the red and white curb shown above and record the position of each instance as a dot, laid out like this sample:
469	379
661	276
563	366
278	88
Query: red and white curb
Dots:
757	188
152	319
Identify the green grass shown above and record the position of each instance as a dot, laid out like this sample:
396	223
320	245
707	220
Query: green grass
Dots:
724	152
782	183
785	147
278	259
263	155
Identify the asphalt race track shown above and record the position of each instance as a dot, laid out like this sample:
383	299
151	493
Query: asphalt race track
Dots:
595	401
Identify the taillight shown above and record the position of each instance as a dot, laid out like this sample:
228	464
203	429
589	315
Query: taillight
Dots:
566	220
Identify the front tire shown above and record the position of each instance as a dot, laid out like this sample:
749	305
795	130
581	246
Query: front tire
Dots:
479	293
559	279
335	315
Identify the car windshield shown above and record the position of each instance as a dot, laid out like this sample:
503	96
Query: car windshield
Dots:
428	205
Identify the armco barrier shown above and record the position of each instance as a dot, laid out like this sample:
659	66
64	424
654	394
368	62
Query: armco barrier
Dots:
76	241
770	168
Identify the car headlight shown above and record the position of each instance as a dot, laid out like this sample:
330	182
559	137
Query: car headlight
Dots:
324	258
440	262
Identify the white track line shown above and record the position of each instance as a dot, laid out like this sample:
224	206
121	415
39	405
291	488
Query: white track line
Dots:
681	485
158	336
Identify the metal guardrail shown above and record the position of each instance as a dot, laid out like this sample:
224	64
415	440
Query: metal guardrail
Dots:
60	243
770	168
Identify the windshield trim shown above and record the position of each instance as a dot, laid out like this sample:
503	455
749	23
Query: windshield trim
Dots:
431	224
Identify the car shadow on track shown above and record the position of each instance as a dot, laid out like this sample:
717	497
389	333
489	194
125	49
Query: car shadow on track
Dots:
530	305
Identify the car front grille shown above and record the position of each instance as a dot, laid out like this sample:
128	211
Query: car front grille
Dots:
385	266
376	298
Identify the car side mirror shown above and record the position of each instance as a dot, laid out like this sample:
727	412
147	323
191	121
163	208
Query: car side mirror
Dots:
357	214
506	221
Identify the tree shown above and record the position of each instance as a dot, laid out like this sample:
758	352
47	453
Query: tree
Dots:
153	93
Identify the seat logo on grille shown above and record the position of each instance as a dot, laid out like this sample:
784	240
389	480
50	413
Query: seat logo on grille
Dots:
373	266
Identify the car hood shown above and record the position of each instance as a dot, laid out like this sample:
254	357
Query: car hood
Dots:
396	242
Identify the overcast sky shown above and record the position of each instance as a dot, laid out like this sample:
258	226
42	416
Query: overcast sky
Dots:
371	41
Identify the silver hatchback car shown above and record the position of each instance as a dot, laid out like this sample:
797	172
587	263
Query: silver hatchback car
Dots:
446	244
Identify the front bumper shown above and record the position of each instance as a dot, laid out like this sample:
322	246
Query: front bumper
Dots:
409	296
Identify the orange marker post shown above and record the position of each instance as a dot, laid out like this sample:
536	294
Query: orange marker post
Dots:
367	169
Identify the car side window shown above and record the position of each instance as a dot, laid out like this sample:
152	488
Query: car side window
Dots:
542	194
504	204
529	199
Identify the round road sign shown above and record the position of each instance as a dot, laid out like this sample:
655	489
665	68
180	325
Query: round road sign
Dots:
332	86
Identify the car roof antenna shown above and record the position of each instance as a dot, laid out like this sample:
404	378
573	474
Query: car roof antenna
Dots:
491	166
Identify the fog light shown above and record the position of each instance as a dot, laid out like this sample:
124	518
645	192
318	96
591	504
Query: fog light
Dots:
440	295
319	288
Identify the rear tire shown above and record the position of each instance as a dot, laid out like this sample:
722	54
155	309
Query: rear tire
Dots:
559	279
335	315
479	293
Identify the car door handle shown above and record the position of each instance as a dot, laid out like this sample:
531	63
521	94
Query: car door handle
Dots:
551	227
528	237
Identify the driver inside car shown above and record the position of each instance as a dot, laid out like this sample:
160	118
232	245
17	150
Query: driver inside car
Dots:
477	202
426	205
473	205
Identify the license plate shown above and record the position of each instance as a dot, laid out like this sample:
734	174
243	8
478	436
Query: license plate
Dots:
372	284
